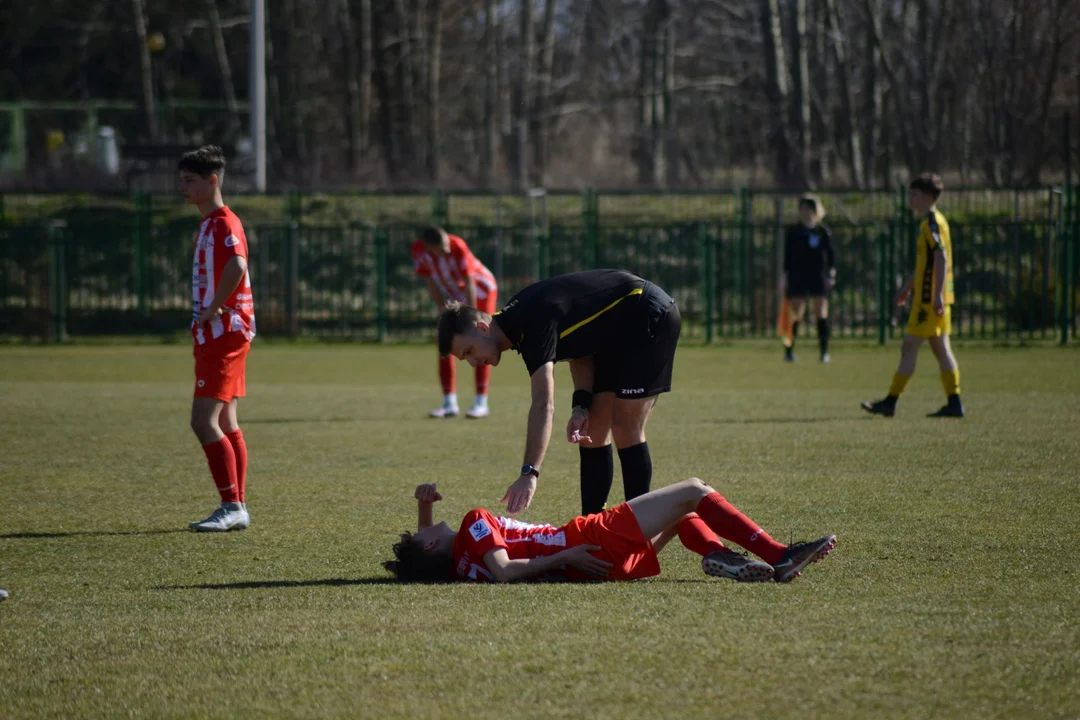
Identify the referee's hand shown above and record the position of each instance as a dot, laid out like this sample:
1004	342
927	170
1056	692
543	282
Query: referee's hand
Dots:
577	429
519	496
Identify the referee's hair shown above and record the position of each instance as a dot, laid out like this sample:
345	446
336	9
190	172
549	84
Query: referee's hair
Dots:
814	203
456	319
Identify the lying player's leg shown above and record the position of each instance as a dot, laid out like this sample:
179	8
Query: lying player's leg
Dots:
658	511
716	560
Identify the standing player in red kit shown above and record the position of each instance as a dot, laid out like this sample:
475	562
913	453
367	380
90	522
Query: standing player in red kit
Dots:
223	324
454	273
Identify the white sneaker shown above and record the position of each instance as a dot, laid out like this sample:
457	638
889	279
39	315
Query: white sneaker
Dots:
825	357
228	516
3	594
446	411
478	410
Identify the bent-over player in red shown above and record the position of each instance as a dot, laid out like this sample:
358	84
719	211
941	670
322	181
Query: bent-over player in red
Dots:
222	326
617	544
454	273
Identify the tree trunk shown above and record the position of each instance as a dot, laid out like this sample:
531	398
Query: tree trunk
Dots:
420	53
540	125
671	140
802	92
352	88
404	99
847	96
367	67
524	96
776	79
434	67
385	76
491	93
146	70
224	69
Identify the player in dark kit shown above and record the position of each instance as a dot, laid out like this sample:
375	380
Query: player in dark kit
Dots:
809	269
619	333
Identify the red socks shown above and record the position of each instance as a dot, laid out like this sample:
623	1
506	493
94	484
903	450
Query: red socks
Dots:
697	537
483	374
236	439
730	524
447	373
222	461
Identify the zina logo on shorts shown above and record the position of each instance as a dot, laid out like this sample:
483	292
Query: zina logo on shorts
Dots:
633	391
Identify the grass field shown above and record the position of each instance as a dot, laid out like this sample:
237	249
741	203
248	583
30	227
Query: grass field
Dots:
953	591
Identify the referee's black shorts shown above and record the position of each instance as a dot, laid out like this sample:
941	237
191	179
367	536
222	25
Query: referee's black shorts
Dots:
802	284
640	362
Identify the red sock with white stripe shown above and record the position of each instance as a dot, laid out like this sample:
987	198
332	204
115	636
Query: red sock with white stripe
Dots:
727	522
697	537
236	439
222	461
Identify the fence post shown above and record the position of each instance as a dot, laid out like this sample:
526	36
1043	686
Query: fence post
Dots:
294	206
1066	264
884	306
498	240
292	278
591	217
708	250
381	244
57	281
440	208
143	224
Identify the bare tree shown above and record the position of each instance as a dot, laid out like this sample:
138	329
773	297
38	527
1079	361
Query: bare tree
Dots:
222	58
434	111
491	92
523	100
146	70
353	106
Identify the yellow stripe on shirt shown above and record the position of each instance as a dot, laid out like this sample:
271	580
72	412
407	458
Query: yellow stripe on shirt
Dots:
586	321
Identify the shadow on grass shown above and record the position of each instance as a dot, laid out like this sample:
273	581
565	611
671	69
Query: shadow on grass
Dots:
89	533
264	584
282	421
785	421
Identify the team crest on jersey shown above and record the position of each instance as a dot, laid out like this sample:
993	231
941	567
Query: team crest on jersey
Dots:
814	240
232	240
479	530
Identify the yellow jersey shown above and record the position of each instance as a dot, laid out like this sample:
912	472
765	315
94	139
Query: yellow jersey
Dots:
933	235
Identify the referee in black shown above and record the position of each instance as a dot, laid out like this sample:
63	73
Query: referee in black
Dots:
809	269
619	333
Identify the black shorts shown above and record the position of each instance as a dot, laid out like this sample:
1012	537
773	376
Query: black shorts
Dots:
639	364
803	285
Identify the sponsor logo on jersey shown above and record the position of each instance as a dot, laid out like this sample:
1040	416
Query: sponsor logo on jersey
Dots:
201	383
232	240
479	530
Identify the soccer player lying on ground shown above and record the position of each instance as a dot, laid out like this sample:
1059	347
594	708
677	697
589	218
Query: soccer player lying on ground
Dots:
617	544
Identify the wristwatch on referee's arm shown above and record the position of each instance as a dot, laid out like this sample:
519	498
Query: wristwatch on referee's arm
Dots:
527	469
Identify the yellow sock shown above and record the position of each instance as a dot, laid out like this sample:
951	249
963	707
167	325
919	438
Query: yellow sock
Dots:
951	382
899	382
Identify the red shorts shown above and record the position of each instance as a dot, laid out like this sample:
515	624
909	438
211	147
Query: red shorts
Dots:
219	367
622	544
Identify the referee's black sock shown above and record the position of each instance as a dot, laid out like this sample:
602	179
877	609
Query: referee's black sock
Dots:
597	470
636	470
823	335
794	334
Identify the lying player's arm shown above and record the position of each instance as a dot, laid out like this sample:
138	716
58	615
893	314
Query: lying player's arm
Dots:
436	295
504	570
230	280
426	496
941	265
470	291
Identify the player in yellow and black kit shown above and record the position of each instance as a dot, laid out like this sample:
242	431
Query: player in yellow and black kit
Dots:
618	331
931	311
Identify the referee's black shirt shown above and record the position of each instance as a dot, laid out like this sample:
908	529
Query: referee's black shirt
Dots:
808	252
569	316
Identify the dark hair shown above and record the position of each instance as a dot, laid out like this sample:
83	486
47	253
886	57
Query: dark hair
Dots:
811	201
433	235
455	320
414	564
929	183
204	162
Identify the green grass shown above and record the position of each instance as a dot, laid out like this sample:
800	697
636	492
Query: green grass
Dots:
952	591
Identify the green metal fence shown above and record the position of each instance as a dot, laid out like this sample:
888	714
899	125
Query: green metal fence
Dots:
103	269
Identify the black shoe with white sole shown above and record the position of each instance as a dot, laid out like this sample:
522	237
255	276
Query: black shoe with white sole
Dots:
801	554
736	566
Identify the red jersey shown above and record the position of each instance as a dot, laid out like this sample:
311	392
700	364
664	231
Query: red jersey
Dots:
482	532
221	238
449	272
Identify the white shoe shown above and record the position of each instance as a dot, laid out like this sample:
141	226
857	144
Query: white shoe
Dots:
446	411
3	594
825	357
478	410
228	516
